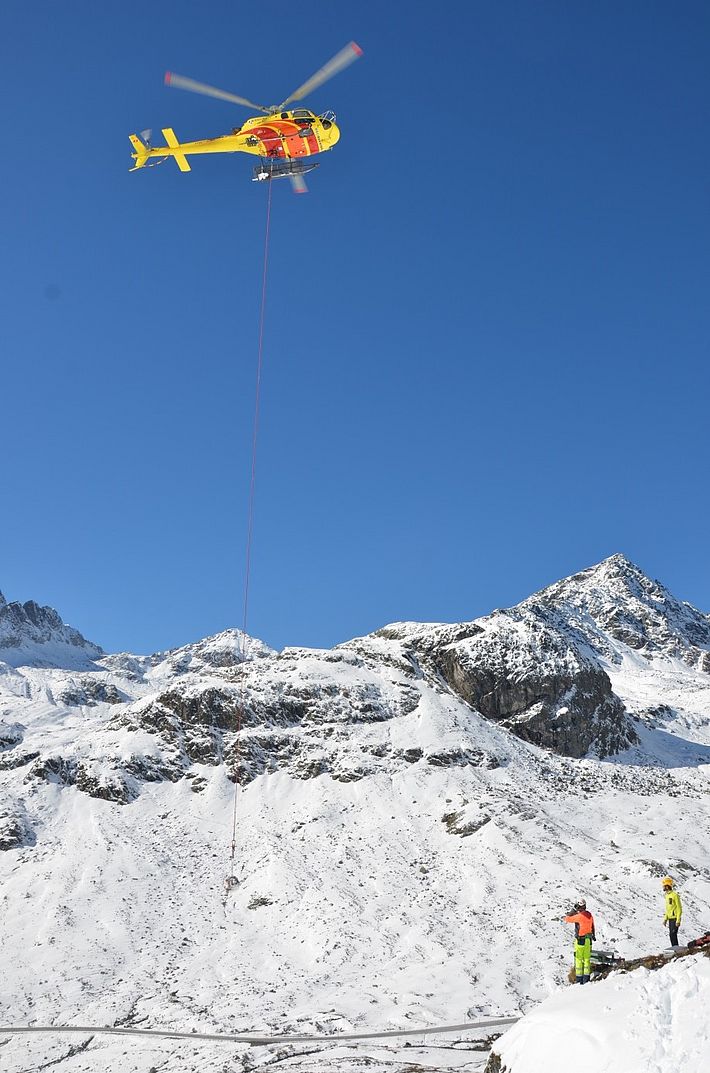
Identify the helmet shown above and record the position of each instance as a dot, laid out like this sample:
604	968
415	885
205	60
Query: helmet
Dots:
581	904
667	881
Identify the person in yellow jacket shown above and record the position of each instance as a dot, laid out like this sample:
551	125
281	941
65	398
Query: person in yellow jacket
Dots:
583	937
674	910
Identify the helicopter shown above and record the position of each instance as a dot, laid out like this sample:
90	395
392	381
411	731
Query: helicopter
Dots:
285	139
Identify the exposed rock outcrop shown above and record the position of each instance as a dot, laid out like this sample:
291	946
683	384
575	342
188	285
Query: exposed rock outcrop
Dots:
91	691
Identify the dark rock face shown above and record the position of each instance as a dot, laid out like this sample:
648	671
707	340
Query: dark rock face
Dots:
462	758
567	705
18	620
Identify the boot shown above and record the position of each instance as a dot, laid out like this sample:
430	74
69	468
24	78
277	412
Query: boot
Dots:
582	979
586	979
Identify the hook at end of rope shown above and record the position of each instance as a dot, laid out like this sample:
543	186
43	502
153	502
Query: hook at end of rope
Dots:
231	883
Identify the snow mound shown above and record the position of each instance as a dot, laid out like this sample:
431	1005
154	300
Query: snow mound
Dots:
641	1022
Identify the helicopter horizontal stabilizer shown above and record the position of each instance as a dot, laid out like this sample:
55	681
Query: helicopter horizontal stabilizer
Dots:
180	158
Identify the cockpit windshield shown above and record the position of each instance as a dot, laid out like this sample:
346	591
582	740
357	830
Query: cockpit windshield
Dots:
328	117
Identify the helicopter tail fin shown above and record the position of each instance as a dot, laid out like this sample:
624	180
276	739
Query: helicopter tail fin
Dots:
180	158
141	151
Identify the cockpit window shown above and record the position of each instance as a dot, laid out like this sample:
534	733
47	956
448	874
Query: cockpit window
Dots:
302	113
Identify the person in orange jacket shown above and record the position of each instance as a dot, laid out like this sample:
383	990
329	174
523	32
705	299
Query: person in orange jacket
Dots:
583	938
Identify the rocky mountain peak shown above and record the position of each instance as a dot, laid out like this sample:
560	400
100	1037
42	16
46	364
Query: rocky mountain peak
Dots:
615	601
617	575
33	635
220	652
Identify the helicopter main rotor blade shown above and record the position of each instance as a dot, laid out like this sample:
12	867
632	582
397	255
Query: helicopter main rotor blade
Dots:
180	82
341	60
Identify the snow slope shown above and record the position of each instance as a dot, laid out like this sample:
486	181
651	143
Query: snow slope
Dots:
414	819
641	1022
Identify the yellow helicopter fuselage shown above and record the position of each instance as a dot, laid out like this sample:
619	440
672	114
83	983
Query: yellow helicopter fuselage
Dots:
291	135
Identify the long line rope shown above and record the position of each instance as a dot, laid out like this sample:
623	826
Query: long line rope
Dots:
250	528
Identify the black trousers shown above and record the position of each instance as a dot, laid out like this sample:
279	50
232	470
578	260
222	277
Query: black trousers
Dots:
673	932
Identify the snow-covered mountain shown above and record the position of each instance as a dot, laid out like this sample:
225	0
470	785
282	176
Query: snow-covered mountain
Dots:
34	635
416	810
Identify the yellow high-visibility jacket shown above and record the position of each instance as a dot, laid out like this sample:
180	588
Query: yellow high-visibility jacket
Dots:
674	909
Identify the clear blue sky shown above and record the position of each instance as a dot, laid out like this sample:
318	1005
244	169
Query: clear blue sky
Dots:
486	355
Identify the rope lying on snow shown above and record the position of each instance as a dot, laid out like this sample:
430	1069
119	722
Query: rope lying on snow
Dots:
96	1030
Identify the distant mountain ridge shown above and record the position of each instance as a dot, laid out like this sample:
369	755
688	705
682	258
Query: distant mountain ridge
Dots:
538	669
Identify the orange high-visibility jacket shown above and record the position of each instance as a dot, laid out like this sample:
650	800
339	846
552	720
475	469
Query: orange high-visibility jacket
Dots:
583	923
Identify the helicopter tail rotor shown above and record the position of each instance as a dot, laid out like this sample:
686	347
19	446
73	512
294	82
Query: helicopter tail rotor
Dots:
141	144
